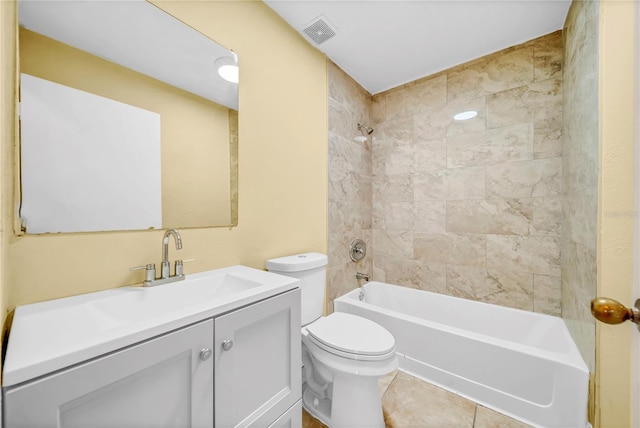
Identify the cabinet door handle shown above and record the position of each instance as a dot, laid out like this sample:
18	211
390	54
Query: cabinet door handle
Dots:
227	344
205	354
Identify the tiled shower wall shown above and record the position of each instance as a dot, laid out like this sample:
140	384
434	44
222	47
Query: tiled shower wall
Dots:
473	208
349	182
580	180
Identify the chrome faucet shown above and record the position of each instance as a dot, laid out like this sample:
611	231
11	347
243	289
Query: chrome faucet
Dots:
362	276
165	269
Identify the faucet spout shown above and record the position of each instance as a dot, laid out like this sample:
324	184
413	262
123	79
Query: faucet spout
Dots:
165	249
362	276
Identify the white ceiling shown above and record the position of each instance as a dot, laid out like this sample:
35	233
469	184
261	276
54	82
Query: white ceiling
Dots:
383	44
138	35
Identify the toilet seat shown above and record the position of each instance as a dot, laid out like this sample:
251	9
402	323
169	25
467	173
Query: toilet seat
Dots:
352	337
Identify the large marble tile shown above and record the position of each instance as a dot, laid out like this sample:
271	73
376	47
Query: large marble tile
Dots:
393	132
416	216
511	143
547	296
487	418
498	73
547	137
429	154
393	188
525	179
434	124
524	254
530	103
504	288
449	184
512	288
580	216
548	55
410	402
547	216
494	216
348	92
351	187
415	97
350	216
450	248
413	274
393	245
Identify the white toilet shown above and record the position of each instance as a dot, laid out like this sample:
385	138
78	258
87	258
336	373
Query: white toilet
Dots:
343	355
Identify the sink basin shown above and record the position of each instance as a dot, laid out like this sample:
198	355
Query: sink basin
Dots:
52	335
144	303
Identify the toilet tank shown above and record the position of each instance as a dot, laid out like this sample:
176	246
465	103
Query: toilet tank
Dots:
311	270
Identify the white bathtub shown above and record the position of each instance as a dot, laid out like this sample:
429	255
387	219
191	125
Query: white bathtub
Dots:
519	363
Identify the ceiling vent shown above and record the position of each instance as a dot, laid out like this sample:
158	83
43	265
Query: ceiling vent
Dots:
319	30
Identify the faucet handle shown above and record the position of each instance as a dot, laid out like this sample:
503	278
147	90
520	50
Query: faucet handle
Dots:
180	266
150	271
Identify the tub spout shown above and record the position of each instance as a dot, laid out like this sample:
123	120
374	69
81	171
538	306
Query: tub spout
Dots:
362	276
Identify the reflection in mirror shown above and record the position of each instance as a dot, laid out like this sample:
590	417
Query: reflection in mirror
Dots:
125	121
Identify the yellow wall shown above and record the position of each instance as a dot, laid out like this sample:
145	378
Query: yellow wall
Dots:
194	130
615	240
8	35
282	173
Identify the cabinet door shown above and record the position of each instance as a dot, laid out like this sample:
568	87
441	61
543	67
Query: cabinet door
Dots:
162	382
291	419
257	350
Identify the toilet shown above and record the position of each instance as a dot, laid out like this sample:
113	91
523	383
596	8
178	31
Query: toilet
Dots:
343	355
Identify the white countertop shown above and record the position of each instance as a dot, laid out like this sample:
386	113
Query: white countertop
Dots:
52	335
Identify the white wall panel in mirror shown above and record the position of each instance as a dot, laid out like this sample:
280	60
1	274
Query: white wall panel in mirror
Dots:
132	52
95	162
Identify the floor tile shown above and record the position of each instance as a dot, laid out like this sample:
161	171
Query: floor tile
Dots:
487	418
411	402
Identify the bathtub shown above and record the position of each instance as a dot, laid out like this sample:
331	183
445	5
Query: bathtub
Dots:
519	363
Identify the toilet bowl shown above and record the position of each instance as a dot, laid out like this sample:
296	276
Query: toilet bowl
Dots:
343	355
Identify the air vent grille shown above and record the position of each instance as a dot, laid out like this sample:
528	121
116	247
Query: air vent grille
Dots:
319	31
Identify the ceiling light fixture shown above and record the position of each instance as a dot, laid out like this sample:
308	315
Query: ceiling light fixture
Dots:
465	115
228	68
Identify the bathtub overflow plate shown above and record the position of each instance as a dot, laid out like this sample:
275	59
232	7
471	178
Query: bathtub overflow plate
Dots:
357	250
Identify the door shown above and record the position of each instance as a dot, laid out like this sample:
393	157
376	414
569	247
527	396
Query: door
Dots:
258	362
635	339
166	381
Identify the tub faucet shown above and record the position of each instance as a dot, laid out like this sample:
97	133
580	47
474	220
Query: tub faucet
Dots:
362	276
165	268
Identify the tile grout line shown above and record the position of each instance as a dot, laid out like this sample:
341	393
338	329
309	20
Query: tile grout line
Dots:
475	413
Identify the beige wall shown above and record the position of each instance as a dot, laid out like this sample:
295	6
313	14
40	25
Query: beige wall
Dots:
194	131
8	37
615	209
472	208
349	182
282	177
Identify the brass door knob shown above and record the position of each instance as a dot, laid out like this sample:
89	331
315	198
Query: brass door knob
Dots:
613	312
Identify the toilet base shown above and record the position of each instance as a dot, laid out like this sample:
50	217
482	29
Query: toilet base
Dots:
355	402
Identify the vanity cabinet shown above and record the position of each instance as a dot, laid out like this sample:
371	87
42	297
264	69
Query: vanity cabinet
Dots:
240	368
160	382
257	362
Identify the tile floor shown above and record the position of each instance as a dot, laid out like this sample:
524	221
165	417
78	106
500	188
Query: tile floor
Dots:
408	402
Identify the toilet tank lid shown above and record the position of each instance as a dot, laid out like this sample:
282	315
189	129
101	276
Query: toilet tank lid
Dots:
297	262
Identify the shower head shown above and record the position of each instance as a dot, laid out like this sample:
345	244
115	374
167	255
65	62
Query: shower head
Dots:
365	128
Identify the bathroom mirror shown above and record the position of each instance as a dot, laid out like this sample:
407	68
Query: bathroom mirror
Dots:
126	122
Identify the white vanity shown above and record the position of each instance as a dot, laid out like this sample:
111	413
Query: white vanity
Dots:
221	348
